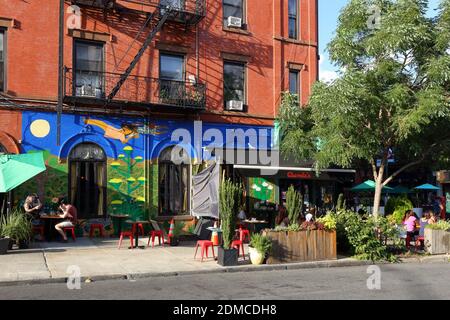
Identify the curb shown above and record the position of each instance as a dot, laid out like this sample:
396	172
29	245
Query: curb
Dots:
235	269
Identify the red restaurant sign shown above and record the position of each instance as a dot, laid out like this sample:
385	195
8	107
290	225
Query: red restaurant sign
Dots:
299	175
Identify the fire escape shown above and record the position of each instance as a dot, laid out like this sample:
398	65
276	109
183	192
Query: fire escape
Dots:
126	90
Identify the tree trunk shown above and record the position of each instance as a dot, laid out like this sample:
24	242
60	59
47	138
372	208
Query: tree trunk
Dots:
377	197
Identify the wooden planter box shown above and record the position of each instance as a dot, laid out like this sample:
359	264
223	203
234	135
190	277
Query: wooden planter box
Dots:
437	241
301	246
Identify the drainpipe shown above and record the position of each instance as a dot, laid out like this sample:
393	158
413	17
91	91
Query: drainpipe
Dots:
60	72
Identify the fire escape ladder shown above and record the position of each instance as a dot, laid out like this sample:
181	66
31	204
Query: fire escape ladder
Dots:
160	15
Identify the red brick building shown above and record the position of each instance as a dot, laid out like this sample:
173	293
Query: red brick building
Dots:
224	62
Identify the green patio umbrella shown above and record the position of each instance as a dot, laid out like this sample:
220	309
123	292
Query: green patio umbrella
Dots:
427	187
16	169
368	185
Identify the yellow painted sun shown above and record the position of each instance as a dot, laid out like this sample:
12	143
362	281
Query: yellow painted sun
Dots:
40	128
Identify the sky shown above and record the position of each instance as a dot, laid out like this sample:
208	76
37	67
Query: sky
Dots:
328	15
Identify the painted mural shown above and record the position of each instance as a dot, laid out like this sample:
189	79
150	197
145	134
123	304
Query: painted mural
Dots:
131	147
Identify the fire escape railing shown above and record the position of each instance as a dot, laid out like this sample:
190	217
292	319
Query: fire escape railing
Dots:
94	86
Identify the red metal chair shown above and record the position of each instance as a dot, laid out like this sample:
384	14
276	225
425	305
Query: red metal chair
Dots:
141	229
153	235
39	229
129	234
239	244
71	230
204	244
420	242
96	226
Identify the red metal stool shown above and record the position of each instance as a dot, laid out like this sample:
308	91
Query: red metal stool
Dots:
244	235
96	226
141	229
39	229
153	235
129	234
72	231
420	242
238	244
204	244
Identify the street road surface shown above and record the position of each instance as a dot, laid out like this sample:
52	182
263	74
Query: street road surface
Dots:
398	281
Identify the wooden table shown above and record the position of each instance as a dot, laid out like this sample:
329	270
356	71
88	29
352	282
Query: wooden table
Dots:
135	226
50	222
119	217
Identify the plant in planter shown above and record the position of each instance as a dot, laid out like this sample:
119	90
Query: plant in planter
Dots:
229	201
437	237
260	247
4	241
294	204
17	227
177	231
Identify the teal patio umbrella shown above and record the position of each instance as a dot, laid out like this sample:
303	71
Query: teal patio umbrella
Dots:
368	185
427	187
400	190
16	169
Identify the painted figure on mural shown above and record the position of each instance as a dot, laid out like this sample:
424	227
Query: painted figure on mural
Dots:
126	132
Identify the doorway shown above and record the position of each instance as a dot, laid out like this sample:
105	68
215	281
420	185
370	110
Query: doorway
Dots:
87	177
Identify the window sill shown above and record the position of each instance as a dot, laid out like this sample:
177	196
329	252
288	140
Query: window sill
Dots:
294	41
236	30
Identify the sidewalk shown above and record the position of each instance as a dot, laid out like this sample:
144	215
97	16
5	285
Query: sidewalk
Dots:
99	259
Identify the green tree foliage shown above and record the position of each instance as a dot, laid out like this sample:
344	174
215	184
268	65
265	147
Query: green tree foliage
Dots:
392	93
397	206
294	204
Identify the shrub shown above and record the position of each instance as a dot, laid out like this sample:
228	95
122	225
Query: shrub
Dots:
294	204
440	225
261	243
359	236
397	206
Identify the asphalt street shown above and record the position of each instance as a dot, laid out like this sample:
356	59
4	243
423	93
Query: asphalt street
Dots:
396	281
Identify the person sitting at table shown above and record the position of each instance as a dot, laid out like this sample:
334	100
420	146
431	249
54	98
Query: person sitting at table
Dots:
32	206
410	222
282	219
432	217
70	216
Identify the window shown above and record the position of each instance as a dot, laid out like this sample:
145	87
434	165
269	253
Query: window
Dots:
173	181
2	60
171	75
234	82
293	17
89	69
233	8
294	82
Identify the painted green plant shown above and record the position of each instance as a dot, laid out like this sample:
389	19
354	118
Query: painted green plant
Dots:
128	183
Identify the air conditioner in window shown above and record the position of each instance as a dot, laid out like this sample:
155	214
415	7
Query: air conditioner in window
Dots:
235	105
234	22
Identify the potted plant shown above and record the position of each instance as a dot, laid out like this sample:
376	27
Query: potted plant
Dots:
177	231
17	227
229	201
260	246
437	237
4	241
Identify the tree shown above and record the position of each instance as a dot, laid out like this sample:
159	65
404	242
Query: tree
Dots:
392	92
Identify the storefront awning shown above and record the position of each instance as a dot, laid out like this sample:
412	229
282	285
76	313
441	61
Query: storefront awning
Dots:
17	169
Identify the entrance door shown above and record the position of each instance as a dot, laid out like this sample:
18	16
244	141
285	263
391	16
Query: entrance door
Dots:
87	180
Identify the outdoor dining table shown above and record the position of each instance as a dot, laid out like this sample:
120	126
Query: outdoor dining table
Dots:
135	226
50	221
120	218
254	223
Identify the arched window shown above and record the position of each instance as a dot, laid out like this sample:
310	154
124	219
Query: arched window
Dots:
173	180
87	180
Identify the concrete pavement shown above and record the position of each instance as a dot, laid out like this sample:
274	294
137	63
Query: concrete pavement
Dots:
99	259
397	281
